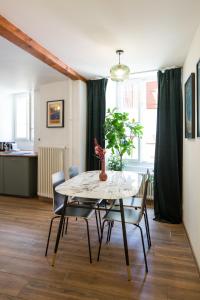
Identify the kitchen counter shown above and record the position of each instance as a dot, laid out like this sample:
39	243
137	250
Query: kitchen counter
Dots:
19	153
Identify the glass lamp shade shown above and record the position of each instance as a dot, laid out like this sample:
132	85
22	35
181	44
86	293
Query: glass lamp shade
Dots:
119	72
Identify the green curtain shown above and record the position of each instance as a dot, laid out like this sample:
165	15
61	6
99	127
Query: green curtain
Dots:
168	154
96	110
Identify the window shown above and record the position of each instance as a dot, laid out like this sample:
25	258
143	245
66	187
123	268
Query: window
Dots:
23	116
138	97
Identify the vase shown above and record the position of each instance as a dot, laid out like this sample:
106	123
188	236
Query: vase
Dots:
103	176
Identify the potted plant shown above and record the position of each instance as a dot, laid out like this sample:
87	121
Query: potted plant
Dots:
120	131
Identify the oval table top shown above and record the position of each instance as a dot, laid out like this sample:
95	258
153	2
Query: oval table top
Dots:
119	184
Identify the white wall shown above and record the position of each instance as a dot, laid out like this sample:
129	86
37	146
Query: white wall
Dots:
44	136
6	118
191	163
79	117
73	135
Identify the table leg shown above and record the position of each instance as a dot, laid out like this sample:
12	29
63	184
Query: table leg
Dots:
59	230
125	238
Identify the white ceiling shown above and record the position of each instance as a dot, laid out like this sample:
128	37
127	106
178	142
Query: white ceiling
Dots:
20	71
86	33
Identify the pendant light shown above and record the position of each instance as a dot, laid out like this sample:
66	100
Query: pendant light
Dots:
119	72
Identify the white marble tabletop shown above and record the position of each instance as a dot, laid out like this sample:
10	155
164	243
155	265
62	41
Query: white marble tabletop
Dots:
87	185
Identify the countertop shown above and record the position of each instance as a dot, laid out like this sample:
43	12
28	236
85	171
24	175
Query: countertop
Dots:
19	153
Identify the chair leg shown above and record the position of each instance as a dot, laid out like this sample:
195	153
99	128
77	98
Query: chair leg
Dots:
97	223
147	233
145	258
50	227
102	229
147	230
63	228
99	213
108	233
66	227
88	235
147	220
112	225
59	230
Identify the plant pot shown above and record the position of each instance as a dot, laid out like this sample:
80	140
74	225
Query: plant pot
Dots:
103	176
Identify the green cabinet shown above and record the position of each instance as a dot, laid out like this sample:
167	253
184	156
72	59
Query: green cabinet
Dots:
19	176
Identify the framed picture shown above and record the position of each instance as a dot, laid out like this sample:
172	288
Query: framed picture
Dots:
55	113
198	99
190	107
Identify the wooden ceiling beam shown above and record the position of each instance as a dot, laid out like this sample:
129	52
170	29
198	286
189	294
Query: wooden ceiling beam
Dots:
21	39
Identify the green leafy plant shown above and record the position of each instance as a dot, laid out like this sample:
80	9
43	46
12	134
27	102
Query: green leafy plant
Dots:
120	132
114	163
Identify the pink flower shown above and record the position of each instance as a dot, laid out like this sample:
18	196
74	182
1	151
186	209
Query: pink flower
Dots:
99	151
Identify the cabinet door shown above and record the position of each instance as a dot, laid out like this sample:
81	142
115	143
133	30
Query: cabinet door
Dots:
1	175
16	176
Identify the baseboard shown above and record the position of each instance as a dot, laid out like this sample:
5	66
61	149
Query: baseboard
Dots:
44	198
198	267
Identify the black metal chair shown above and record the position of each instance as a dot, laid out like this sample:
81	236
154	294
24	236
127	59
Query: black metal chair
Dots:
72	172
71	211
136	202
132	216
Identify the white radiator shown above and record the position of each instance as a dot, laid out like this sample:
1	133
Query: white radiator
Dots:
50	160
150	190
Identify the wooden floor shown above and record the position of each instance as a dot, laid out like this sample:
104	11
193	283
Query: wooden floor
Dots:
26	274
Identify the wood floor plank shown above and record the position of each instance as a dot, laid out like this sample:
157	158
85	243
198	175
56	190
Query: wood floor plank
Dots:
25	274
11	284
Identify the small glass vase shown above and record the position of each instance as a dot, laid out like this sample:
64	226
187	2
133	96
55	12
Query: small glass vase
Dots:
103	176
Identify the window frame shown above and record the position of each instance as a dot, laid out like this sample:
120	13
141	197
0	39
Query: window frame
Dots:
137	164
29	137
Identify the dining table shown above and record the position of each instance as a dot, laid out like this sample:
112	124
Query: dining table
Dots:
120	185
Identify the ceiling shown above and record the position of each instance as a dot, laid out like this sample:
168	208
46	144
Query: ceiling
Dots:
85	33
20	71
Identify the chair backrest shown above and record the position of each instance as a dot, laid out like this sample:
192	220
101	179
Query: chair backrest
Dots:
144	198
144	177
148	174
58	199
73	171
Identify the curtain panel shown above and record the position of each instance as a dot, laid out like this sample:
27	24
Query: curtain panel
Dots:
96	110
168	153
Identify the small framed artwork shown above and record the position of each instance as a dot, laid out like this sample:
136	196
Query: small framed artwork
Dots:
190	107
198	99
55	113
